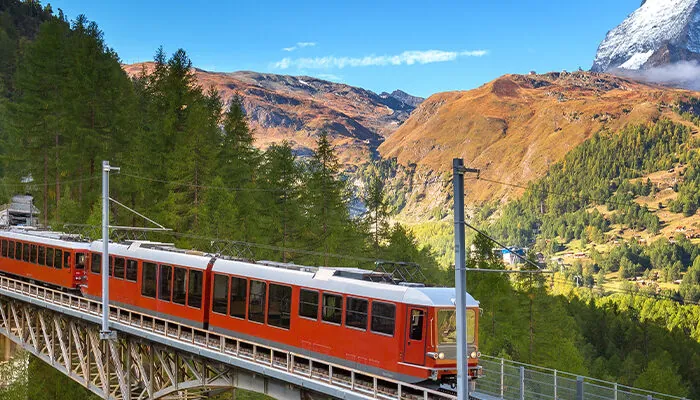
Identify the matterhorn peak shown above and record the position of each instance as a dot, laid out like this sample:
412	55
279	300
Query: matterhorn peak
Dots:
658	33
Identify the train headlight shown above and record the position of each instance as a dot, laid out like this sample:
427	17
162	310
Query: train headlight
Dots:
441	355
473	354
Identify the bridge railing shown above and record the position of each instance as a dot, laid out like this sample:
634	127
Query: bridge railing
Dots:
512	380
351	383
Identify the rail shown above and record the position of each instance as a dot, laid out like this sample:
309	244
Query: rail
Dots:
510	380
360	384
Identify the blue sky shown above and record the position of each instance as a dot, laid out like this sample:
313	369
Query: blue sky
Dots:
420	47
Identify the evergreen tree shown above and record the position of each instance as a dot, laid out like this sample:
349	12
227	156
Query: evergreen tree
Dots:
282	218
329	228
39	114
237	163
377	213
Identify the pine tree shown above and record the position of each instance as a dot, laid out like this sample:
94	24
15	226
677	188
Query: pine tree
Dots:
39	114
282	210
325	200
377	214
237	163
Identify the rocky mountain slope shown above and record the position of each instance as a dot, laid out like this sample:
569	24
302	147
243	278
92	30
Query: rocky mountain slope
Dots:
297	108
513	128
660	32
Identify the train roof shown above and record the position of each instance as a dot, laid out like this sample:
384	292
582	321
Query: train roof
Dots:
350	281
57	239
327	279
164	253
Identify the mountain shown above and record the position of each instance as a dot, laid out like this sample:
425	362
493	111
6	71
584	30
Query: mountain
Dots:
513	128
403	97
297	108
658	33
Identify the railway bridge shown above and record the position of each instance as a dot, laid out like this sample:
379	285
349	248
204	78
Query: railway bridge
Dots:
154	358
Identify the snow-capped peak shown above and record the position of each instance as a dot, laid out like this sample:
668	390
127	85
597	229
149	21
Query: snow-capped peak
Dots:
657	23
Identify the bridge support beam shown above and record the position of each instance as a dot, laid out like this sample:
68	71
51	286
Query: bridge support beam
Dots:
129	368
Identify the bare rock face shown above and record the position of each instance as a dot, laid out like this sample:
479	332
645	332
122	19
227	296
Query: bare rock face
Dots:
658	33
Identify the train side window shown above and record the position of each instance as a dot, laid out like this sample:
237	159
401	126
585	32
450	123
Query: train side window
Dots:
119	267
238	297
111	265
79	260
11	249
148	280
308	303
25	252
356	313
220	302
165	280
4	248
42	255
383	317
96	263
33	254
132	270
194	295
180	286
332	308
279	306
18	251
57	259
416	331
49	257
256	302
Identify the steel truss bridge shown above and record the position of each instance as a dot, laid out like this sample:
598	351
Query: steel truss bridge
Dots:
153	358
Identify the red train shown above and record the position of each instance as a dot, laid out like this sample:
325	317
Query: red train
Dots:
400	331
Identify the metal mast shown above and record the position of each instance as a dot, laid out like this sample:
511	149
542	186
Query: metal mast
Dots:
105	333
458	171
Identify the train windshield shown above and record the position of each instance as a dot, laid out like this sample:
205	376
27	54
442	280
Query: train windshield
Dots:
447	326
79	261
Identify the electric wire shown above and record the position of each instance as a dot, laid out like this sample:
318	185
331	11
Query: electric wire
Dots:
33	183
184	184
626	291
570	195
526	260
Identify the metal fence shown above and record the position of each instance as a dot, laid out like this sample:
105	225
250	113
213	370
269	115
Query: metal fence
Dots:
512	380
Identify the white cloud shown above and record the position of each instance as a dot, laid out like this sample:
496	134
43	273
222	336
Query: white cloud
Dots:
329	77
299	45
406	58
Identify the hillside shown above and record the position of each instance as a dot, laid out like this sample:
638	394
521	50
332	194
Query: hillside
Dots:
513	129
297	108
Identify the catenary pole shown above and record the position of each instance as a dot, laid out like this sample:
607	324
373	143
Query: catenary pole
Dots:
105	333
458	171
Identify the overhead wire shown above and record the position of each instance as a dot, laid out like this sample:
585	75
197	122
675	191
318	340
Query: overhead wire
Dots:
571	195
33	183
184	184
626	291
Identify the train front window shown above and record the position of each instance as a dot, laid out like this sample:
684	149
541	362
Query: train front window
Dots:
447	326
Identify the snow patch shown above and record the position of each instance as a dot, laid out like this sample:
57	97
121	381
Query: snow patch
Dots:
637	60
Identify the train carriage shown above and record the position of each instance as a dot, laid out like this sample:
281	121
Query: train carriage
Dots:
397	331
153	278
48	257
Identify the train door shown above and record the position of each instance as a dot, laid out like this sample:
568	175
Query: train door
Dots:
414	350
